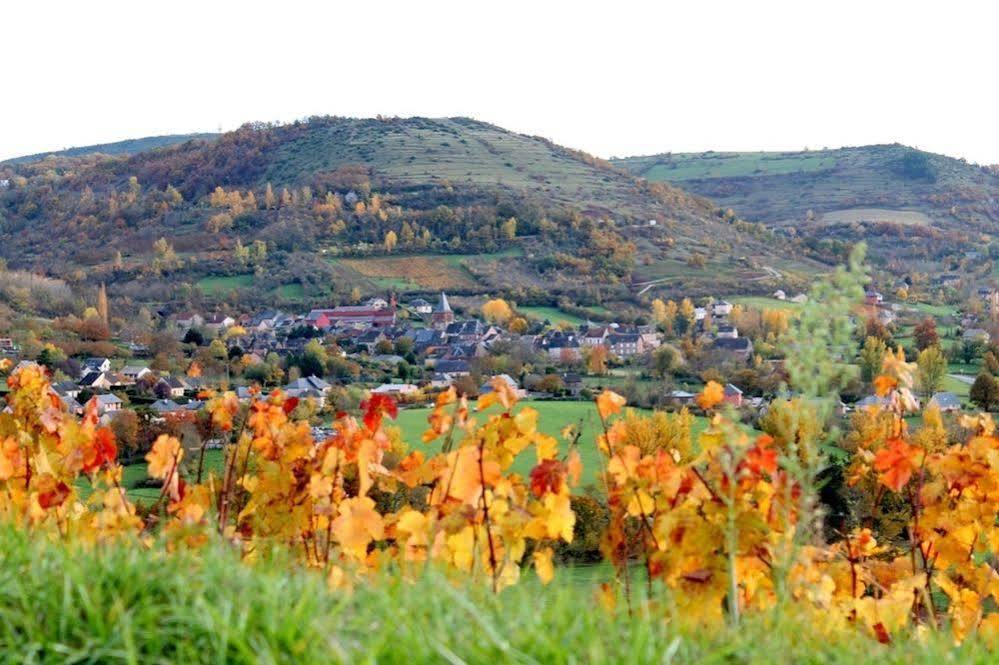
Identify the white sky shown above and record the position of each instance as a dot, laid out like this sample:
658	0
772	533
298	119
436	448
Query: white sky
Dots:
615	78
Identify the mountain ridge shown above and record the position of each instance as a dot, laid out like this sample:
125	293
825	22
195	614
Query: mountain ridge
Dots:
112	148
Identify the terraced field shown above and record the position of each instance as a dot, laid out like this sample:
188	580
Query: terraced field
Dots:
454	150
681	167
875	215
414	272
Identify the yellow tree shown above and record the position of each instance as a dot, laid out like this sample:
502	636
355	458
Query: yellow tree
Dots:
658	310
687	314
102	303
509	228
596	360
497	311
391	240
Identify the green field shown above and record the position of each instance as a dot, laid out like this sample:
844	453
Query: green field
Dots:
680	167
219	285
222	285
291	291
939	311
763	302
552	314
552	417
956	386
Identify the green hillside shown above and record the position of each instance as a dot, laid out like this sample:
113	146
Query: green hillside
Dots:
316	201
830	198
127	147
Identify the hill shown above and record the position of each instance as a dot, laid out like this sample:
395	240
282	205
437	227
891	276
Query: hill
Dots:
127	147
879	193
321	210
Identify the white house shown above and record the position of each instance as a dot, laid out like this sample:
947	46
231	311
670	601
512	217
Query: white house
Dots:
421	306
727	332
96	365
108	403
721	308
219	322
134	372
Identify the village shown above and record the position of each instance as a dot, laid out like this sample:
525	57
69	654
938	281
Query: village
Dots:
331	358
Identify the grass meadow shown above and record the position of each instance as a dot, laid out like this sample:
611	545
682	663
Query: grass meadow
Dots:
127	603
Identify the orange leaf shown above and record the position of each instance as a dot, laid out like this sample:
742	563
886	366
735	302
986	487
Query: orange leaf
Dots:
574	465
895	464
165	454
377	406
884	384
547	476
762	458
609	403
543	564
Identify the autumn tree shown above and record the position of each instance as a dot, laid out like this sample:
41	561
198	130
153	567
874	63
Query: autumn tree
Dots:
164	256
391	240
925	334
125	425
931	369
102	303
658	310
596	360
666	318
219	222
497	311
775	321
509	228
875	328
241	252
687	317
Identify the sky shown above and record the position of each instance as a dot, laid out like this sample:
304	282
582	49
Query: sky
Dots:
611	78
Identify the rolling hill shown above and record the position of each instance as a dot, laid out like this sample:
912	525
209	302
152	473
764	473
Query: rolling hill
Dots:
316	201
126	147
879	193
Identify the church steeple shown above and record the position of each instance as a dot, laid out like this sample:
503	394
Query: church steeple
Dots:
442	314
444	305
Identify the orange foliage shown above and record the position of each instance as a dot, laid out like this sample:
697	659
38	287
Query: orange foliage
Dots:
718	524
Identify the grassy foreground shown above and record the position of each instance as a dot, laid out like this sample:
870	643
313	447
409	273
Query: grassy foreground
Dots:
123	604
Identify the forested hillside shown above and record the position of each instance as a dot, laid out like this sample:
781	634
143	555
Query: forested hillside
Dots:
832	198
272	213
